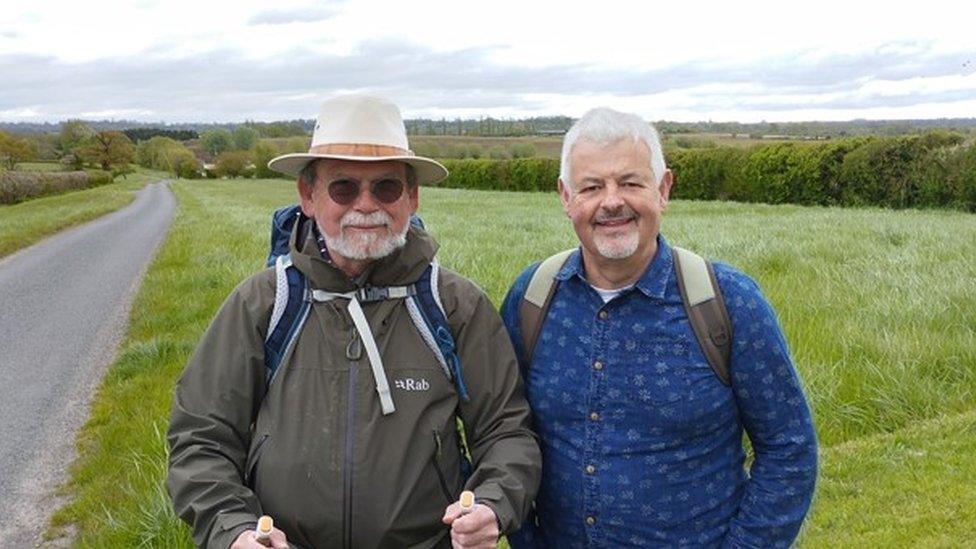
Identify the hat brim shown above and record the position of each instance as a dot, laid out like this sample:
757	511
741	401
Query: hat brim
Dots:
428	171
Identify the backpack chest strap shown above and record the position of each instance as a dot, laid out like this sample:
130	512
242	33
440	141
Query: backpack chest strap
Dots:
366	335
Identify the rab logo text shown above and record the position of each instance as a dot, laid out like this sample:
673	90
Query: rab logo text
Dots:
412	384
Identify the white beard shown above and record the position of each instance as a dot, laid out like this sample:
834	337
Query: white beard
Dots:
621	246
362	246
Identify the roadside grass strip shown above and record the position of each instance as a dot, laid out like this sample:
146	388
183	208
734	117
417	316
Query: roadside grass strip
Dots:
879	308
29	222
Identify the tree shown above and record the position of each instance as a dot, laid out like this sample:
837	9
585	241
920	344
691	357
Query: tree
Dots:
73	134
262	153
13	150
216	141
233	164
163	153
107	149
244	138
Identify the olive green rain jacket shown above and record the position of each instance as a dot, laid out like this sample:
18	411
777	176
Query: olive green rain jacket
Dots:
314	451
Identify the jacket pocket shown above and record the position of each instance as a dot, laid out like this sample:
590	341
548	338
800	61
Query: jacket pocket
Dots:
436	460
252	460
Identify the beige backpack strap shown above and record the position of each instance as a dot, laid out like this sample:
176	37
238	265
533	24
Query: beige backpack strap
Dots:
705	307
535	302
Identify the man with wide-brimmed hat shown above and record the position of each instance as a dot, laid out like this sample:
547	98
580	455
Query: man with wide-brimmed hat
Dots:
353	441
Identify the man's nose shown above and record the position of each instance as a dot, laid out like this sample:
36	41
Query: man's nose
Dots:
365	201
611	197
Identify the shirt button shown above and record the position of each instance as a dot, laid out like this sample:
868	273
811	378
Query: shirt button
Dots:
598	365
590	469
591	520
603	315
594	416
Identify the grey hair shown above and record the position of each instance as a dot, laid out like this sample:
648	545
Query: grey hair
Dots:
309	173
603	125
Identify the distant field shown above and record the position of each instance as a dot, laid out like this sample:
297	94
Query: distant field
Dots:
879	308
550	147
692	140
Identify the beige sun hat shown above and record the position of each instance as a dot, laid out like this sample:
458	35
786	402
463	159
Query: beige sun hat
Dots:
360	128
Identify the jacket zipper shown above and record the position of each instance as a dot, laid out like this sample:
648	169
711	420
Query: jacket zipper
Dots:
354	352
252	462
437	467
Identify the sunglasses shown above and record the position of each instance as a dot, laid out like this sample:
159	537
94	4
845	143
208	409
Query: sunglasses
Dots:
345	191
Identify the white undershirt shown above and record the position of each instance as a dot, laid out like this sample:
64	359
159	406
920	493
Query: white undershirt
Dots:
607	295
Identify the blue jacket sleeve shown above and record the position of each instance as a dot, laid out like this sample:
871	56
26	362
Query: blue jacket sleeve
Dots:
775	416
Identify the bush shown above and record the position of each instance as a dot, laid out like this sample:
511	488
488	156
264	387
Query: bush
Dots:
706	174
234	164
14	150
20	186
261	154
897	172
99	177
527	174
163	153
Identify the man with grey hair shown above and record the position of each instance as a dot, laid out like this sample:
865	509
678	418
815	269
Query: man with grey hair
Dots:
347	436
644	364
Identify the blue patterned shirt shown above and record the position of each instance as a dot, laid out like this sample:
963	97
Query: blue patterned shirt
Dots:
641	442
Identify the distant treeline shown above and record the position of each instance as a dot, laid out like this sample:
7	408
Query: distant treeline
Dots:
141	134
285	128
487	127
550	125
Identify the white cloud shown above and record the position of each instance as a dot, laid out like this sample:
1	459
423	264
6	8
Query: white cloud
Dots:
680	60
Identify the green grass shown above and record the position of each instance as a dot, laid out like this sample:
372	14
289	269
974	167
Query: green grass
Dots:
912	488
28	222
879	308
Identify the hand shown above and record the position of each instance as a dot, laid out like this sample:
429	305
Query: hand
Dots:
248	540
477	529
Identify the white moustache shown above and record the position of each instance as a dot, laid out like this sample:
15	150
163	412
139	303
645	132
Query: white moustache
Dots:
378	217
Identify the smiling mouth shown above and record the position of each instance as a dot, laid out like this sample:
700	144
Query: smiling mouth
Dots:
614	222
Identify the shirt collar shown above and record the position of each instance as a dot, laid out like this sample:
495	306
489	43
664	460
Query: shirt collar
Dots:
654	281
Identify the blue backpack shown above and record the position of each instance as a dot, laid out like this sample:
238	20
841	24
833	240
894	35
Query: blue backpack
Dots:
293	303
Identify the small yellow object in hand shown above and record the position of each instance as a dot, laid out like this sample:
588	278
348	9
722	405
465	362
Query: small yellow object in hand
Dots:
466	502
265	526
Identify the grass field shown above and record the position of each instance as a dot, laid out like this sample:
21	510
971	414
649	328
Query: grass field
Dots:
28	222
879	308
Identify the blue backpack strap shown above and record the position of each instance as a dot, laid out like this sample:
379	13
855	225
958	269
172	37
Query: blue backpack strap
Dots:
290	310
425	302
432	312
282	224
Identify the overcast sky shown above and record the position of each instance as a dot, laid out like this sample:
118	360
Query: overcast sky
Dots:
220	61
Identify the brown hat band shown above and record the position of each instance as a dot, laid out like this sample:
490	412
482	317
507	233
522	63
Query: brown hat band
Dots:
359	149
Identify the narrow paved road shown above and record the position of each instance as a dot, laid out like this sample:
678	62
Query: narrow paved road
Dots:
64	305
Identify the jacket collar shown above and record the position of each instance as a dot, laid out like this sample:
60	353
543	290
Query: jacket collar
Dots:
403	266
653	283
